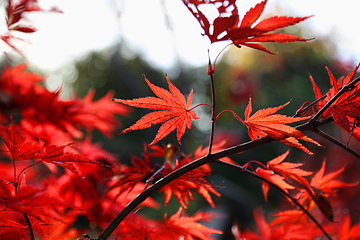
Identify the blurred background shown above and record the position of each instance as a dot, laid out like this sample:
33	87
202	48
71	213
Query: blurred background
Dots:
108	45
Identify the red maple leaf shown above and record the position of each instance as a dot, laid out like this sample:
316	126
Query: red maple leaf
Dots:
173	111
265	123
129	176
288	169
346	231
188	227
35	203
347	106
275	179
47	117
227	27
184	186
321	187
15	11
272	231
20	149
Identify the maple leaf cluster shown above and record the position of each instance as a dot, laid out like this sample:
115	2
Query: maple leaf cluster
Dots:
54	179
344	110
95	185
227	25
289	224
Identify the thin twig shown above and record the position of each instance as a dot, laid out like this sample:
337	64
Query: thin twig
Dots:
211	73
279	189
335	141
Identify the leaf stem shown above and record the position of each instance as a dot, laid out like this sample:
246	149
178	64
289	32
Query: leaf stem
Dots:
201	104
278	188
235	115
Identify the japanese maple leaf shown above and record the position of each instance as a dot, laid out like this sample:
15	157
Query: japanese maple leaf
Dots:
34	202
19	231
245	32
129	176
21	150
56	155
173	112
274	178
15	19
47	117
188	227
265	123
288	169
268	231
346	231
17	146
322	187
184	186
289	218
344	107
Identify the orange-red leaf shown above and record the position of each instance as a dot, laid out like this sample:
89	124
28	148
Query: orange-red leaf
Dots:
287	169
173	111
274	178
347	106
265	123
227	25
188	227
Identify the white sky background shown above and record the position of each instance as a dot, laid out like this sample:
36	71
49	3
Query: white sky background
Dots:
92	25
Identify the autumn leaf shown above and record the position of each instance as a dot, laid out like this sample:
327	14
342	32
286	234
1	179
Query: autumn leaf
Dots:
321	187
17	146
187	184
15	19
276	230
188	227
21	150
173	111
265	123
289	218
34	202
288	169
275	179
346	231
346	106
246	32
128	176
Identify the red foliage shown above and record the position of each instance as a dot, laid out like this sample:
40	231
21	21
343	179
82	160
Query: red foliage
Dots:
95	186
344	110
173	111
227	27
265	123
15	11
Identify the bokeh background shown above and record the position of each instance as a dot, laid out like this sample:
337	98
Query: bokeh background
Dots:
109	44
